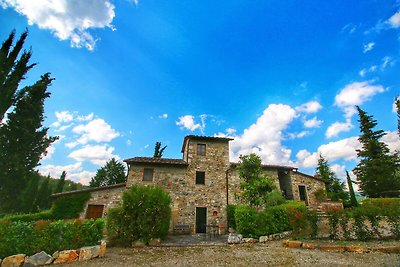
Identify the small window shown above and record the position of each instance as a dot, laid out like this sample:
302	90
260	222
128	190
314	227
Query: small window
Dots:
201	149
94	211
148	174
200	177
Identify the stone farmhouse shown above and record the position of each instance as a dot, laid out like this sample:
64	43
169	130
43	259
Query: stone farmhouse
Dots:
201	184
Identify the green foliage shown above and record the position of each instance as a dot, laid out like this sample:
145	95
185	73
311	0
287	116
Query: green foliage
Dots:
61	182
43	198
353	199
320	195
230	210
67	207
113	172
158	151
289	216
32	237
23	139
377	168
145	214
256	187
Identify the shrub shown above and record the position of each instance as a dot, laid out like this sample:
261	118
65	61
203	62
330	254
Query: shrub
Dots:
145	214
246	220
320	195
273	198
230	210
32	237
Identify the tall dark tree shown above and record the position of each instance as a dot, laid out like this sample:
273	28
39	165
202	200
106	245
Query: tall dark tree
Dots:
376	170
111	173
43	197
353	199
23	139
334	187
30	194
61	182
158	151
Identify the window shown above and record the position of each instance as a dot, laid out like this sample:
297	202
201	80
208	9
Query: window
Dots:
148	174
201	149
94	211
200	177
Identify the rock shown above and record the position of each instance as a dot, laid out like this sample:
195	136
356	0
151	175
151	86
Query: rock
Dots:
55	254
292	244
389	249
250	240
13	261
41	258
358	249
87	253
138	244
309	246
336	248
154	242
263	239
234	238
231	230
103	247
66	256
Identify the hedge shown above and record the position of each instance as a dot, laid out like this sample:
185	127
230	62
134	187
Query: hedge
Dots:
145	214
32	237
66	207
292	215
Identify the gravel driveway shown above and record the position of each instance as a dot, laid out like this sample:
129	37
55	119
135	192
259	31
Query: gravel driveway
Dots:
270	254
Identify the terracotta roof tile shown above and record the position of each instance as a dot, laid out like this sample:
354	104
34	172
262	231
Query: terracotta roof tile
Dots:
152	160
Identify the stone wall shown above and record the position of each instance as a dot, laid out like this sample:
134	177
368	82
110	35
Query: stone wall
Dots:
312	184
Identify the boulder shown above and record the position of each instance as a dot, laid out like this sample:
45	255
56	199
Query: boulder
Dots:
103	247
13	261
292	244
66	256
263	239
234	238
154	242
41	258
138	244
87	253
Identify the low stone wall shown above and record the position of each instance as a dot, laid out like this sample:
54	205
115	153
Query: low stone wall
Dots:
58	257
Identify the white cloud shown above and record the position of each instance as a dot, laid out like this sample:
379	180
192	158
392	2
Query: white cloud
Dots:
96	154
188	122
163	116
392	140
230	131
96	130
386	61
128	142
82	177
337	127
56	170
298	135
362	72
313	123
85	118
340	171
394	21
354	94
343	149
265	135
309	107
368	47
67	19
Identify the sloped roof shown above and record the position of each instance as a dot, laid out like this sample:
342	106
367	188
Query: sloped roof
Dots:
92	189
266	166
152	160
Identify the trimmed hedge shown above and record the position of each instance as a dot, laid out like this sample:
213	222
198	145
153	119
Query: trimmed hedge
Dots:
292	215
32	237
67	207
145	214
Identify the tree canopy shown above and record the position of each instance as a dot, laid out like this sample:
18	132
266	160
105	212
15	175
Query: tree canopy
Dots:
158	151
113	172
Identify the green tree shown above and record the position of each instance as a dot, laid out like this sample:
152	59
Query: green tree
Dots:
353	199
43	197
158	151
61	182
257	189
23	139
113	172
30	194
334	187
376	170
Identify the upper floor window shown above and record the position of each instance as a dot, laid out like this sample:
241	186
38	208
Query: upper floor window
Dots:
201	149
200	177
148	174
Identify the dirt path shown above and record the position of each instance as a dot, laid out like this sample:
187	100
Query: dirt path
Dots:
271	254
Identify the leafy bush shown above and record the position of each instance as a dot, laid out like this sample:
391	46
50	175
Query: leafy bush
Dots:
230	210
320	195
145	214
32	237
246	217
67	207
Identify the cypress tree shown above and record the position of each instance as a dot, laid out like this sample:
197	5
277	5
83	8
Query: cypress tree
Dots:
353	200
158	151
61	182
43	199
376	170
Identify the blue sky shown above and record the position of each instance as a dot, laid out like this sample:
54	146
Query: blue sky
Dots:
280	77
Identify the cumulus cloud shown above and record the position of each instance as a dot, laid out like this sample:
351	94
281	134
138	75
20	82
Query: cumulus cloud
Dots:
309	107
74	172
67	19
343	149
163	116
265	135
337	127
392	140
96	154
313	123
298	135
368	47
96	130
394	21
188	122
354	94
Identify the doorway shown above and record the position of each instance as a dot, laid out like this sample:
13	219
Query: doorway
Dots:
201	219
303	194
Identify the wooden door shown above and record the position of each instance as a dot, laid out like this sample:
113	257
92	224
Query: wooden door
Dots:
94	211
201	219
